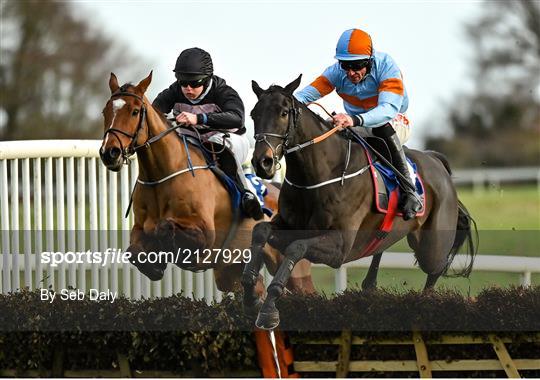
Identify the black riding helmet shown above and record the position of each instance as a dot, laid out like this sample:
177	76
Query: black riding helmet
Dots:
193	64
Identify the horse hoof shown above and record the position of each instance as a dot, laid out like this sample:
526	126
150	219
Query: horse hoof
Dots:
267	320
154	274
253	308
369	287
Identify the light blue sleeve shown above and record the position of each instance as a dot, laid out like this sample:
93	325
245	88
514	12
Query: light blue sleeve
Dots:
320	87
379	115
307	94
389	99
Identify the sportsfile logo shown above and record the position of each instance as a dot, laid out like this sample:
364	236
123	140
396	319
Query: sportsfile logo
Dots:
109	256
117	256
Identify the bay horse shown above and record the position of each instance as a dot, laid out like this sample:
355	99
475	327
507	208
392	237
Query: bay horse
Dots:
327	217
179	205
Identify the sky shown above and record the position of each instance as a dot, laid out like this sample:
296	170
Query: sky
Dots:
272	42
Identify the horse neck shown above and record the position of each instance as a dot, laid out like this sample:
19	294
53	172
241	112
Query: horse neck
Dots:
166	155
317	162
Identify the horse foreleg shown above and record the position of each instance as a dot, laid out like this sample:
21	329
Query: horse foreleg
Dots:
139	246
250	276
331	244
370	281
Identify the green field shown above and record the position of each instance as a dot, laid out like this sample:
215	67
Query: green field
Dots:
510	207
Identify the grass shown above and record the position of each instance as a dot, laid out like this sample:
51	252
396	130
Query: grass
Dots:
505	208
508	220
403	280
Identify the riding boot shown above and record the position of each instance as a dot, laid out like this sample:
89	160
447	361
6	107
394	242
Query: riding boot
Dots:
410	202
250	202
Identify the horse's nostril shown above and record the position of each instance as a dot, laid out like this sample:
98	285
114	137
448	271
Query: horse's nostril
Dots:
114	153
267	163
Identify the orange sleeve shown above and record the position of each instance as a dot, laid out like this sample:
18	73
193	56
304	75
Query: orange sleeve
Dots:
394	85
323	85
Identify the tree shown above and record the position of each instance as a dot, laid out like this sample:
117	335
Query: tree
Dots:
53	71
499	123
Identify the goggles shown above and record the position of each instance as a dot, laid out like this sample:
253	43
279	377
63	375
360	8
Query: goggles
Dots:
193	83
354	65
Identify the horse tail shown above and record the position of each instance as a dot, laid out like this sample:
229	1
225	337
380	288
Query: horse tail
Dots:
441	157
466	233
466	230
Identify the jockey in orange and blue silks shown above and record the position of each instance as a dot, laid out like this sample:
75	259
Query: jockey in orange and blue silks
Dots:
374	97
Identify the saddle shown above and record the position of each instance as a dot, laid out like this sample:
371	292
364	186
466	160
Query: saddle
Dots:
222	163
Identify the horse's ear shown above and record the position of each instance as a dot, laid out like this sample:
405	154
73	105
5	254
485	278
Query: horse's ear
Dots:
113	83
143	85
256	88
289	89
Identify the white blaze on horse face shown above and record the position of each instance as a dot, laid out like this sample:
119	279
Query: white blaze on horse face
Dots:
116	106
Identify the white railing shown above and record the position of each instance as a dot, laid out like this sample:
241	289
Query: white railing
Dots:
52	192
486	178
52	195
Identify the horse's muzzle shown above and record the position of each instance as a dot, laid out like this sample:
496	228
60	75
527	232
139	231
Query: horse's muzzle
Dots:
111	158
264	167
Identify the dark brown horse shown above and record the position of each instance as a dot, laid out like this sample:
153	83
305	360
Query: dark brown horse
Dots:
176	209
332	224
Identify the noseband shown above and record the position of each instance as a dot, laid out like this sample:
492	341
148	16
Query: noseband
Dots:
294	113
131	148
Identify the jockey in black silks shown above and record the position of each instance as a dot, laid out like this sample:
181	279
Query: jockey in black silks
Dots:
205	101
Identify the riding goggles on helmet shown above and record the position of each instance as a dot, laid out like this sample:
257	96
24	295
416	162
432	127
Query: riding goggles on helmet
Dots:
354	65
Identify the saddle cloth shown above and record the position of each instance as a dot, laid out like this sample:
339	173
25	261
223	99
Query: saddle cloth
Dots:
385	183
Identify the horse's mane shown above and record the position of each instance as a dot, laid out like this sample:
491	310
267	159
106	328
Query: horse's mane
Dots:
125	87
281	90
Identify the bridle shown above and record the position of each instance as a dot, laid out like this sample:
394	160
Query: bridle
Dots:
285	148
131	148
282	148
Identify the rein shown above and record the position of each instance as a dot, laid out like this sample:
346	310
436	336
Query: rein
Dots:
262	137
132	148
292	125
317	139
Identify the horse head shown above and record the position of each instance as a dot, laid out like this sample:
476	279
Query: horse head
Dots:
275	117
124	122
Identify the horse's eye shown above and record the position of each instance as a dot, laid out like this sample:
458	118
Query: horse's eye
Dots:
135	113
284	113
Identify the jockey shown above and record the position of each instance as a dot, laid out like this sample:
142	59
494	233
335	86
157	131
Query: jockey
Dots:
205	101
374	99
